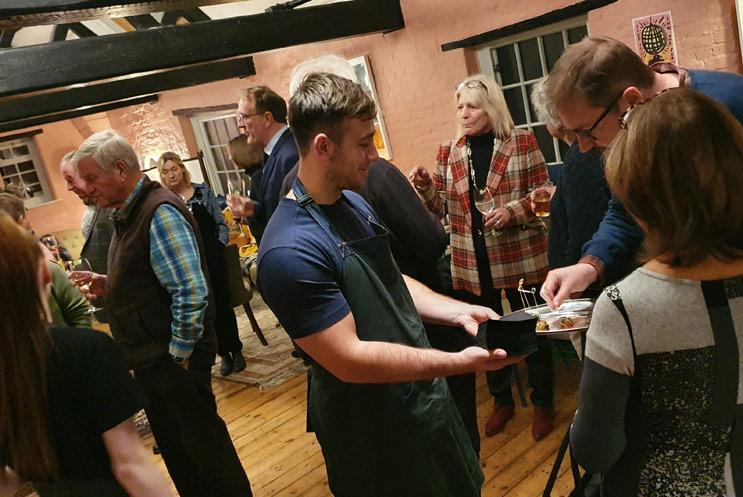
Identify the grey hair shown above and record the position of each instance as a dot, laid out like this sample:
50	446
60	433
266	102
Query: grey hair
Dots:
68	156
106	148
332	64
543	107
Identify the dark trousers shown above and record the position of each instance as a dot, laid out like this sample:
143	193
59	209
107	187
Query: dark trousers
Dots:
539	363
192	438
462	387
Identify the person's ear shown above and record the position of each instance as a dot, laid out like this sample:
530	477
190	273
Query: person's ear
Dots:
121	168
323	145
268	119
632	96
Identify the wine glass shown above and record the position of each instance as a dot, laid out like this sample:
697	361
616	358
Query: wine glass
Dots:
237	189
485	203
83	284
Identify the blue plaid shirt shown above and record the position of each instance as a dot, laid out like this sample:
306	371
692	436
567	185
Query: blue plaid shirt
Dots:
174	256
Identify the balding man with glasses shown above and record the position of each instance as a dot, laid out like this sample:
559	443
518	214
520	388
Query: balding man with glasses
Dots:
591	88
261	115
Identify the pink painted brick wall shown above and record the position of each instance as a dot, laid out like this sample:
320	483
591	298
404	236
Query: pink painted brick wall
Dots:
414	78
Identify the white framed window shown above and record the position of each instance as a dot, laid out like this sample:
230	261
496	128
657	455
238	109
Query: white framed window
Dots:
213	132
20	165
519	61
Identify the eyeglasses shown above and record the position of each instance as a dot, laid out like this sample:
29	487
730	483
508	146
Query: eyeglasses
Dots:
244	117
624	118
471	84
588	133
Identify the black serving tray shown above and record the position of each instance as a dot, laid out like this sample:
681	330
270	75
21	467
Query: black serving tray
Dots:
515	333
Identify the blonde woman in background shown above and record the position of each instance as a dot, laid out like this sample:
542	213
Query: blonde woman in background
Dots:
214	233
489	155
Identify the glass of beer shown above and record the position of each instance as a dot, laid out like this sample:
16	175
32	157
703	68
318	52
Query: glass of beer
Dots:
542	196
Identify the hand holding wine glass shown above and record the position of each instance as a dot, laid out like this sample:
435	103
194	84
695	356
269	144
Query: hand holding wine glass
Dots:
238	201
89	283
485	203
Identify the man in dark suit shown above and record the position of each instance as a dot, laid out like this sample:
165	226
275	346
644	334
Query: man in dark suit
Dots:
261	116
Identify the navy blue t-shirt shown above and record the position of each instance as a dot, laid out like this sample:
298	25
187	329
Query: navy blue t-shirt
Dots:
300	268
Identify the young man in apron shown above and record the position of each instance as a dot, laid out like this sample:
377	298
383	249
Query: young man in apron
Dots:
383	415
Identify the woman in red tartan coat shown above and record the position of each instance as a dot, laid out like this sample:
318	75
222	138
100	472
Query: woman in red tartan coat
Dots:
493	251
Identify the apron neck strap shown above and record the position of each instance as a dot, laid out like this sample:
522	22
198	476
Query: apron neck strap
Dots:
305	201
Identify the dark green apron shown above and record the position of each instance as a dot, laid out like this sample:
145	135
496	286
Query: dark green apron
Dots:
391	440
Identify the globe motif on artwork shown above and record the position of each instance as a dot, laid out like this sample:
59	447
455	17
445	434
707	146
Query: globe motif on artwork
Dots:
653	39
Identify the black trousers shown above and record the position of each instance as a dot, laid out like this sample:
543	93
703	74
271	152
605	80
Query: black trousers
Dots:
192	438
539	363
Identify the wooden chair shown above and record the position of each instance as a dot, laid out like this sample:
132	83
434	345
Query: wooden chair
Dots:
240	295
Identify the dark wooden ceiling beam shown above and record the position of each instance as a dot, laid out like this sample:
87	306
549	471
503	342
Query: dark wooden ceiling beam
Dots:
59	33
6	37
192	15
81	30
142	22
25	108
42	67
78	112
23	13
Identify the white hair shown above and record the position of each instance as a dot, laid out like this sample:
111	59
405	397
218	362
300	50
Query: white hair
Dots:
542	106
105	148
332	64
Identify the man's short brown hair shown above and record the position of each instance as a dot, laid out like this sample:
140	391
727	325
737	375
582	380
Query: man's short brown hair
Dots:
266	100
595	70
322	103
245	155
677	169
12	206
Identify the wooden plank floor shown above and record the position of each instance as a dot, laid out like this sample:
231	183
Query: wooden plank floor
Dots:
282	460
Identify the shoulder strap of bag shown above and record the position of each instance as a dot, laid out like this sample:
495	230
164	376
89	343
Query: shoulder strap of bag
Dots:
613	293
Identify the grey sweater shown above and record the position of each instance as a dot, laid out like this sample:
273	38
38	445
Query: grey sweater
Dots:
652	423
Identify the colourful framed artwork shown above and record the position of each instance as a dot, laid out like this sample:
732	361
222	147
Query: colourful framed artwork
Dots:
654	38
364	77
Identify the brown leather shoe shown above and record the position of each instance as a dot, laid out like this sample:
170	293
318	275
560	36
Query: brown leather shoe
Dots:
544	420
497	421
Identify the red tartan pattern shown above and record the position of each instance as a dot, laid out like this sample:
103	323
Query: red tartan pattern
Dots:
521	251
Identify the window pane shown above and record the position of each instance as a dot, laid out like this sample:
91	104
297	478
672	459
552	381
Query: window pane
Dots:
34	190
546	143
30	178
232	129
224	137
515	102
211	132
229	165
553	48
20	151
577	34
8	171
219	160
26	166
530	62
509	71
223	179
